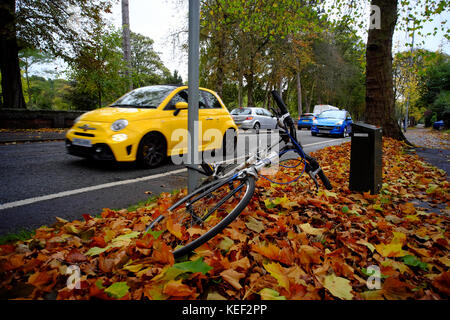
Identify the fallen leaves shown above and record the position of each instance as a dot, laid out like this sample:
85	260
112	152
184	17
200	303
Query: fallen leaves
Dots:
289	243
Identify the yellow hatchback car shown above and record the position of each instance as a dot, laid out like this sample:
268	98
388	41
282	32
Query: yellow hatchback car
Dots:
148	124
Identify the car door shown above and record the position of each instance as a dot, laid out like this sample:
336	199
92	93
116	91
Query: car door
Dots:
271	120
261	118
213	114
178	141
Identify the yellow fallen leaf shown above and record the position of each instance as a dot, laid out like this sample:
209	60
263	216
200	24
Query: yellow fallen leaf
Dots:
174	228
394	248
338	287
232	277
278	272
254	224
367	244
270	294
308	229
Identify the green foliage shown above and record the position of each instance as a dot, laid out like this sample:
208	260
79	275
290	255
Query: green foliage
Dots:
97	68
58	26
434	90
146	66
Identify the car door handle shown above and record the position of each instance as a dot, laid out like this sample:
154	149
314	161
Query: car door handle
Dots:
209	119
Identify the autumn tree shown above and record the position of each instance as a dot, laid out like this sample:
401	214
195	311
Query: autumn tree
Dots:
97	69
146	67
239	35
55	26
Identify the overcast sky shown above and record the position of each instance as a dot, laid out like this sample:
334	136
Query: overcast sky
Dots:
158	19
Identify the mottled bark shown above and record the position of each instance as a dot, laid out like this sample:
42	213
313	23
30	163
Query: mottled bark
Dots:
380	100
9	58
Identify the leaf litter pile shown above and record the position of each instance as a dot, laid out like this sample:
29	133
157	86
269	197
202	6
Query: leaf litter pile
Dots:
289	243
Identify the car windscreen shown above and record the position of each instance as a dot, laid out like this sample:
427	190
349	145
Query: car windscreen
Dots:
240	111
146	97
307	117
332	115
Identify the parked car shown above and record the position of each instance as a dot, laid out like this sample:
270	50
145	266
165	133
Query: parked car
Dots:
142	125
438	125
334	122
305	121
254	118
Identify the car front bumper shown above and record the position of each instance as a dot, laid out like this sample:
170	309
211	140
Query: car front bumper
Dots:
99	144
338	130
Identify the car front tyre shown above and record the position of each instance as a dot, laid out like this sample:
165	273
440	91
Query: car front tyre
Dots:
152	150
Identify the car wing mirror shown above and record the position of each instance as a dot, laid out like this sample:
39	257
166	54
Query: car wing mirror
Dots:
180	106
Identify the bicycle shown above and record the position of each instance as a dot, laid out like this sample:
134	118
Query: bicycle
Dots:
202	214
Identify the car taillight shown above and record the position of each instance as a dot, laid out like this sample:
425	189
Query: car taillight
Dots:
249	118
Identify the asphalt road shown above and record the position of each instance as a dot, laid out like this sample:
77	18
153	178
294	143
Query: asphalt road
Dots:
40	181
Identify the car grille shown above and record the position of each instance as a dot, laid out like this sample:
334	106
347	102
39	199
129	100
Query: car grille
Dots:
83	134
325	127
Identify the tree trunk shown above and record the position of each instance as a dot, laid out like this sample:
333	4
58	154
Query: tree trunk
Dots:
9	58
380	100
126	41
221	63
299	95
240	86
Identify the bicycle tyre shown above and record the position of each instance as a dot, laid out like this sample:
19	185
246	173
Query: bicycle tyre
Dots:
199	195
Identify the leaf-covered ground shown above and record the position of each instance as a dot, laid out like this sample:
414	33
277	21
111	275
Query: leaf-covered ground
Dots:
289	243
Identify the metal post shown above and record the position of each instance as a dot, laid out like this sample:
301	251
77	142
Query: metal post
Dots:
193	92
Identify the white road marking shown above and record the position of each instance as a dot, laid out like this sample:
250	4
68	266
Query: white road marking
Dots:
87	189
24	202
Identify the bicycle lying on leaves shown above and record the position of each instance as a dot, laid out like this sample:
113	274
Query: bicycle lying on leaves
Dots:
202	214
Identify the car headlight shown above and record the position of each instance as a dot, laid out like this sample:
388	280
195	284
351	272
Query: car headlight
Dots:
119	125
315	121
339	122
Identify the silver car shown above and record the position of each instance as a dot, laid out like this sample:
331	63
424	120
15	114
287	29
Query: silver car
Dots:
254	118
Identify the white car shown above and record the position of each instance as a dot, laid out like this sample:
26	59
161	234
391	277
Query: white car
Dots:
254	118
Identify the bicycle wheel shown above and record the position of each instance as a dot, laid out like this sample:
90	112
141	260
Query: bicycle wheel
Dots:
201	215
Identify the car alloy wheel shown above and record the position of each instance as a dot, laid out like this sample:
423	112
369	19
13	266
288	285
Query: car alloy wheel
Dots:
257	126
152	150
345	133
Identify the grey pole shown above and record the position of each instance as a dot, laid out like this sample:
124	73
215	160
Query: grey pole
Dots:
193	91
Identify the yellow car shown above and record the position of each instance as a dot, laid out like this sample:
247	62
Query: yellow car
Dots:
148	124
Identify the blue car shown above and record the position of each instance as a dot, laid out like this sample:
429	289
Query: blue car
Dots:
438	125
333	122
305	121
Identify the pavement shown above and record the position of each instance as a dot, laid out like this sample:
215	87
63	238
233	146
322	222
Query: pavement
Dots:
431	145
19	136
